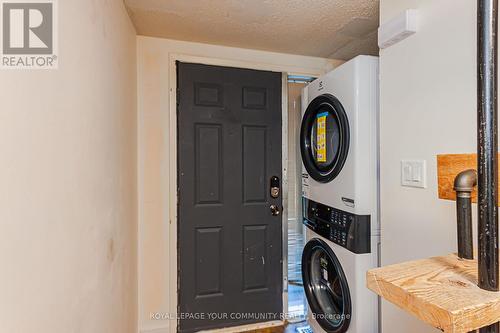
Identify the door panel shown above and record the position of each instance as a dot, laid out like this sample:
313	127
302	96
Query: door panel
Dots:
229	147
208	163
208	270
254	164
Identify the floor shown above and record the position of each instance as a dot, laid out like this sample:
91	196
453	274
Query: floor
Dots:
296	296
289	328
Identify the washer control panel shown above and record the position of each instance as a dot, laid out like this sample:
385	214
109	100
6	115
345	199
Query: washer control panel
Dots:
345	229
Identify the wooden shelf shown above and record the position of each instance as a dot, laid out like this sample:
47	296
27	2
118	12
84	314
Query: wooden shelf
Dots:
441	291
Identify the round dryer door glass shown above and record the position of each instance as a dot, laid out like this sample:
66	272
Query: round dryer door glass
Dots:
326	287
324	138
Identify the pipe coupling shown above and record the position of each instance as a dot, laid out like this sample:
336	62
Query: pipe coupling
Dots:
465	182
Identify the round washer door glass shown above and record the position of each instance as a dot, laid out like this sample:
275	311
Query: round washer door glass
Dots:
326	287
324	138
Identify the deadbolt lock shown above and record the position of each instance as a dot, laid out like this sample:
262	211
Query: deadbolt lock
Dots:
275	187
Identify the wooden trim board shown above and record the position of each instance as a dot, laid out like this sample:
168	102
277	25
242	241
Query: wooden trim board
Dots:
441	291
448	167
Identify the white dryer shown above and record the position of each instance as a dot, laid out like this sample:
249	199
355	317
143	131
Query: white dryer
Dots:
339	148
339	138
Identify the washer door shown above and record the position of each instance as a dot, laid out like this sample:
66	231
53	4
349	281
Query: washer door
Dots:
324	138
326	287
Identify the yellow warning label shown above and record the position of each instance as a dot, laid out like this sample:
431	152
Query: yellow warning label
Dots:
321	137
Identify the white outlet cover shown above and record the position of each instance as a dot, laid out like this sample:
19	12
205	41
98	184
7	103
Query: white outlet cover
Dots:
414	173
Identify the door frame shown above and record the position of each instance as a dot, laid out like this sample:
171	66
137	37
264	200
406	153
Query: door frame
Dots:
172	162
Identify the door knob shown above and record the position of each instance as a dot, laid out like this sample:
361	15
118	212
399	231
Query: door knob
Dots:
275	210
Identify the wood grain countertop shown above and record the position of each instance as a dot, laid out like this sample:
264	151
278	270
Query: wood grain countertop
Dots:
441	291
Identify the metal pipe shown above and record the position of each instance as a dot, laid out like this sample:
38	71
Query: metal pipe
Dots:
464	185
487	56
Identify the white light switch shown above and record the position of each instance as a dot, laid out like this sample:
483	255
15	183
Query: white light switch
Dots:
413	173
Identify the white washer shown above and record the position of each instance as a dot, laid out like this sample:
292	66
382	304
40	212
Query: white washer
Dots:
343	277
339	148
346	175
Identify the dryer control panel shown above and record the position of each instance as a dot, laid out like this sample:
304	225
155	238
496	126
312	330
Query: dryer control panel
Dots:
345	229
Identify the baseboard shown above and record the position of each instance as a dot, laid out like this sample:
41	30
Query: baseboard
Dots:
155	330
234	329
246	328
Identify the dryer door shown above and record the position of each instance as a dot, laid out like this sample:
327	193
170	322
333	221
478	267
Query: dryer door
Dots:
324	138
326	287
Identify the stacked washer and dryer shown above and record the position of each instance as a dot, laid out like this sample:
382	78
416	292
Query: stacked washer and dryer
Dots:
340	185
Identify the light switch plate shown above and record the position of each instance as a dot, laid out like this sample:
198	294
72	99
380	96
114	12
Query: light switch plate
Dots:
414	173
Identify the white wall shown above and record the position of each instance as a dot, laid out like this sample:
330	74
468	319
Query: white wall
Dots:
428	107
68	180
157	233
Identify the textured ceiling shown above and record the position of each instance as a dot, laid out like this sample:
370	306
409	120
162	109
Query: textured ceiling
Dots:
339	29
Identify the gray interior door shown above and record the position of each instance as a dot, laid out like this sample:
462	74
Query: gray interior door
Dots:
229	148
